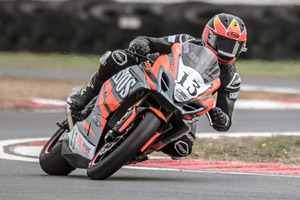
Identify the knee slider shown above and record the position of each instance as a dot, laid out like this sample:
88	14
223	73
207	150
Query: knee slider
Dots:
182	149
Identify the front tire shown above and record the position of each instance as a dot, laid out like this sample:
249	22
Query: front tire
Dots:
126	150
51	160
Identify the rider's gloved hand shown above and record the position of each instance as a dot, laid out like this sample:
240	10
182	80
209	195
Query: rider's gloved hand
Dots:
220	120
140	46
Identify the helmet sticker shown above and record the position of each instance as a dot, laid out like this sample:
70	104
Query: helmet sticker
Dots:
233	34
234	27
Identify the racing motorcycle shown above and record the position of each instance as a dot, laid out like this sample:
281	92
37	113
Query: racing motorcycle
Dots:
138	111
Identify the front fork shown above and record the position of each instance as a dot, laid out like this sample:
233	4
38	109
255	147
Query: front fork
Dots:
124	123
128	118
209	119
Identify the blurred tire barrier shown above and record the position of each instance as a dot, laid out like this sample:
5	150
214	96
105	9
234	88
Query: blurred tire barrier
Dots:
92	26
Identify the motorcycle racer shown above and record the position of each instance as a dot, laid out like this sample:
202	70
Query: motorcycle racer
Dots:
225	35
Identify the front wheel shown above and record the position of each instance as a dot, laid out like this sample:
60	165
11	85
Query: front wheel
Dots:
51	160
101	167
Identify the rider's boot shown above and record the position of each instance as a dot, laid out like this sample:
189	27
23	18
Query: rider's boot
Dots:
84	96
110	64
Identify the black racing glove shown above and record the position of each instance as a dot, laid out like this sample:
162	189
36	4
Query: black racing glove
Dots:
140	46
220	120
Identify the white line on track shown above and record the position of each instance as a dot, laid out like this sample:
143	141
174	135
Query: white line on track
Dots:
283	90
7	156
245	134
209	172
34	151
266	105
55	102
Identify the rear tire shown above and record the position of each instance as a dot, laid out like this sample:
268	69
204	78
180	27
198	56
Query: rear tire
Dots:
126	150
51	160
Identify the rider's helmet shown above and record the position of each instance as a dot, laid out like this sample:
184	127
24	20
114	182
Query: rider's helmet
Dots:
226	36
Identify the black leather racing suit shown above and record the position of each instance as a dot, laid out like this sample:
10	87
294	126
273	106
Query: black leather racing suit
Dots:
113	62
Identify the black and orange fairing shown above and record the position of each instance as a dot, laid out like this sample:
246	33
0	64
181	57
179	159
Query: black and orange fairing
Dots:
126	96
159	78
105	105
207	99
216	84
176	50
162	61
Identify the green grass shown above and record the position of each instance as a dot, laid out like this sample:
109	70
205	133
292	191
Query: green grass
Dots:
49	61
247	68
284	149
269	69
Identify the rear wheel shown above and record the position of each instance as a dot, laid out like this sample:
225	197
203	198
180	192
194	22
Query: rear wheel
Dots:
51	160
113	155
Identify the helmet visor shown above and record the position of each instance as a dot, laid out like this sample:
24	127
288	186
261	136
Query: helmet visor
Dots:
225	46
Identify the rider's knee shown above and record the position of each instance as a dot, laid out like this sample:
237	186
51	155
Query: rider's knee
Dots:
180	148
118	59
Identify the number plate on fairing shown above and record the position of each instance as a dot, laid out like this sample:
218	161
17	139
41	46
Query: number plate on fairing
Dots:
189	84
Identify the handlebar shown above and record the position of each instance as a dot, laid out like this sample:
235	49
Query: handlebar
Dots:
142	57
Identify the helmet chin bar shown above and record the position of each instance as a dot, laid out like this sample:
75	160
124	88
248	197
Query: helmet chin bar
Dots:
226	54
225	62
220	59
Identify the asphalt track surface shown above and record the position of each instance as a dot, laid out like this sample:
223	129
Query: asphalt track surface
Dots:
25	180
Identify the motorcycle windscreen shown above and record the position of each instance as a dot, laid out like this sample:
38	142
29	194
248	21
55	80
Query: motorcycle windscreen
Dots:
202	60
198	68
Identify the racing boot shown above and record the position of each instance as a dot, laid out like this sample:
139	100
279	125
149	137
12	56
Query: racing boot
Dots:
85	95
110	64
